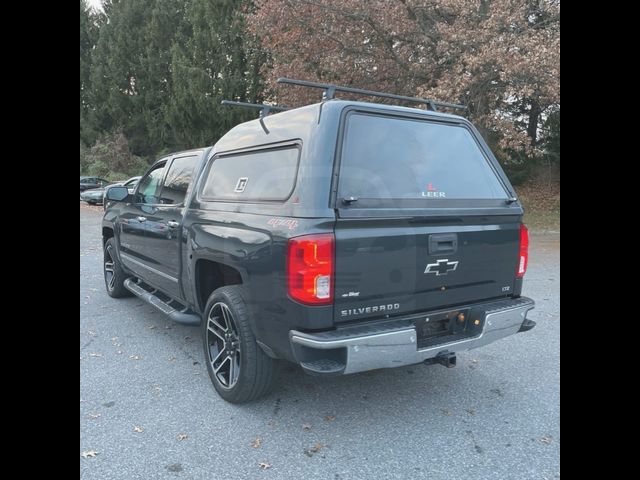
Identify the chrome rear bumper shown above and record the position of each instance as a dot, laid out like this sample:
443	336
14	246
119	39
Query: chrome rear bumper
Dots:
352	350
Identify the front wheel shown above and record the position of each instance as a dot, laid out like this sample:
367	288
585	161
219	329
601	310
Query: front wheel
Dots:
114	276
239	369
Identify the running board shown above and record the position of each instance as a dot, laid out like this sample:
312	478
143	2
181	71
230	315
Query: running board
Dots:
185	316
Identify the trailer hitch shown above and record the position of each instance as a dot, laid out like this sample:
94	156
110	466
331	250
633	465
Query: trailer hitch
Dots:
448	359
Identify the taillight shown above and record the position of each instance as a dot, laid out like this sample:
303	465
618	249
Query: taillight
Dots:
310	269
523	259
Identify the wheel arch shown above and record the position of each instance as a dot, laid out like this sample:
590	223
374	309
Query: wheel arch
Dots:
211	275
107	233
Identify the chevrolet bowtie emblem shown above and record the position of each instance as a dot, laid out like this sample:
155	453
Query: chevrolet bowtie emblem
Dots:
441	267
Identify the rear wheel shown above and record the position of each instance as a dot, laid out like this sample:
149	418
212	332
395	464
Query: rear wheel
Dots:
239	369
114	276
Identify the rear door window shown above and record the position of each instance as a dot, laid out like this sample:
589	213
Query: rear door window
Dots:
393	158
178	179
149	187
264	175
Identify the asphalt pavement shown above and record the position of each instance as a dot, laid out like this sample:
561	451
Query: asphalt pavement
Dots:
149	411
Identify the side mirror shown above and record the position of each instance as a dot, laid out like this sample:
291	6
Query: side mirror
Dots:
117	194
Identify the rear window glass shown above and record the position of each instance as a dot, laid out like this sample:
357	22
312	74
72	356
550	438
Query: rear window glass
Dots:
254	176
393	158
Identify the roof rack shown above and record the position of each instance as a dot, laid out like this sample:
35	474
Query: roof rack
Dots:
330	90
264	108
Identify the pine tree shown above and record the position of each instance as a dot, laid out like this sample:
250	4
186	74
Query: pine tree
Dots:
131	71
213	59
161	67
88	38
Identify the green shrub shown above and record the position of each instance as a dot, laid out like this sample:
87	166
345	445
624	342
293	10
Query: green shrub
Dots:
111	158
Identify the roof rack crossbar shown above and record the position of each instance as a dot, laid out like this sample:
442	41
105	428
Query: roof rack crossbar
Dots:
330	89
264	108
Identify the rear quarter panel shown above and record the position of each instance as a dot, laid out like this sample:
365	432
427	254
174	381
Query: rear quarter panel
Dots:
256	246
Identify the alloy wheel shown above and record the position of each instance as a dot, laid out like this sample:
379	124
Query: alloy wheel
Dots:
109	272
223	345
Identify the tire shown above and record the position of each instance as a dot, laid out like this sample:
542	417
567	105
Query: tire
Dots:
114	276
238	368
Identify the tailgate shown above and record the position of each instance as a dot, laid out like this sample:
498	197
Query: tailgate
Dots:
426	217
389	267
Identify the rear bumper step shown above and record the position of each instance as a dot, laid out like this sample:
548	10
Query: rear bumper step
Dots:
395	343
183	316
527	325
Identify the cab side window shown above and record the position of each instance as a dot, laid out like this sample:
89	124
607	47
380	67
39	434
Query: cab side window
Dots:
178	179
150	184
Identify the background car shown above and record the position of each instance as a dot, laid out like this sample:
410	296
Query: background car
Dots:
95	196
87	183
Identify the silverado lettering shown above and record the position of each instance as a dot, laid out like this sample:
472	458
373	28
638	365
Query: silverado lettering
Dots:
374	309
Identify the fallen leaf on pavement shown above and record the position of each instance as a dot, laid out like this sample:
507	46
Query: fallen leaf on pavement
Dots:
89	453
315	449
138	429
264	465
182	436
329	418
257	442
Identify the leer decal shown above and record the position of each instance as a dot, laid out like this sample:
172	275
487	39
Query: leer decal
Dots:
432	192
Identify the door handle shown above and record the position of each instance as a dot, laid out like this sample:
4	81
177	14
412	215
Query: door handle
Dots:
443	243
142	219
172	224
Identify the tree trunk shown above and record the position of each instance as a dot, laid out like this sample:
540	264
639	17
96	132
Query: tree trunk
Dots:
532	127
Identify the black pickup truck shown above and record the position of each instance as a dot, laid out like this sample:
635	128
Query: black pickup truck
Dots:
343	236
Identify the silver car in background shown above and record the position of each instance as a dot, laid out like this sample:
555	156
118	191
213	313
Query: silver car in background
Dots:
95	196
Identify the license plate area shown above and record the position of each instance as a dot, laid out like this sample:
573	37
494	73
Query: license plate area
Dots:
448	326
